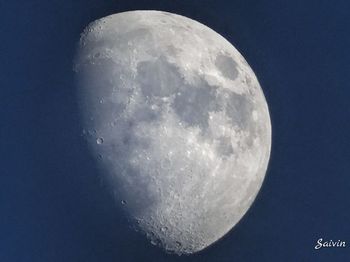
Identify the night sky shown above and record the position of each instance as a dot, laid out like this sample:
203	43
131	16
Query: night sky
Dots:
53	206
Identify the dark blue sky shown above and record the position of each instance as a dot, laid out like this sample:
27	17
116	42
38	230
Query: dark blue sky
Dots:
52	205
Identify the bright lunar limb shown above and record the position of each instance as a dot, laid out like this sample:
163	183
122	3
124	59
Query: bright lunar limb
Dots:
177	122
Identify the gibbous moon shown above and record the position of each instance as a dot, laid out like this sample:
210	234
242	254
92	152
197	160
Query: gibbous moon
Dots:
177	122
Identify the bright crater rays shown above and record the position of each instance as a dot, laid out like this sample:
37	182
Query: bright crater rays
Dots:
178	123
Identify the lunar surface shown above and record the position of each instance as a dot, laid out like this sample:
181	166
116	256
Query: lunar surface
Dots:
177	122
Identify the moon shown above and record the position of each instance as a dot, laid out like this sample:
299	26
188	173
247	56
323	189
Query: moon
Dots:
177	122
